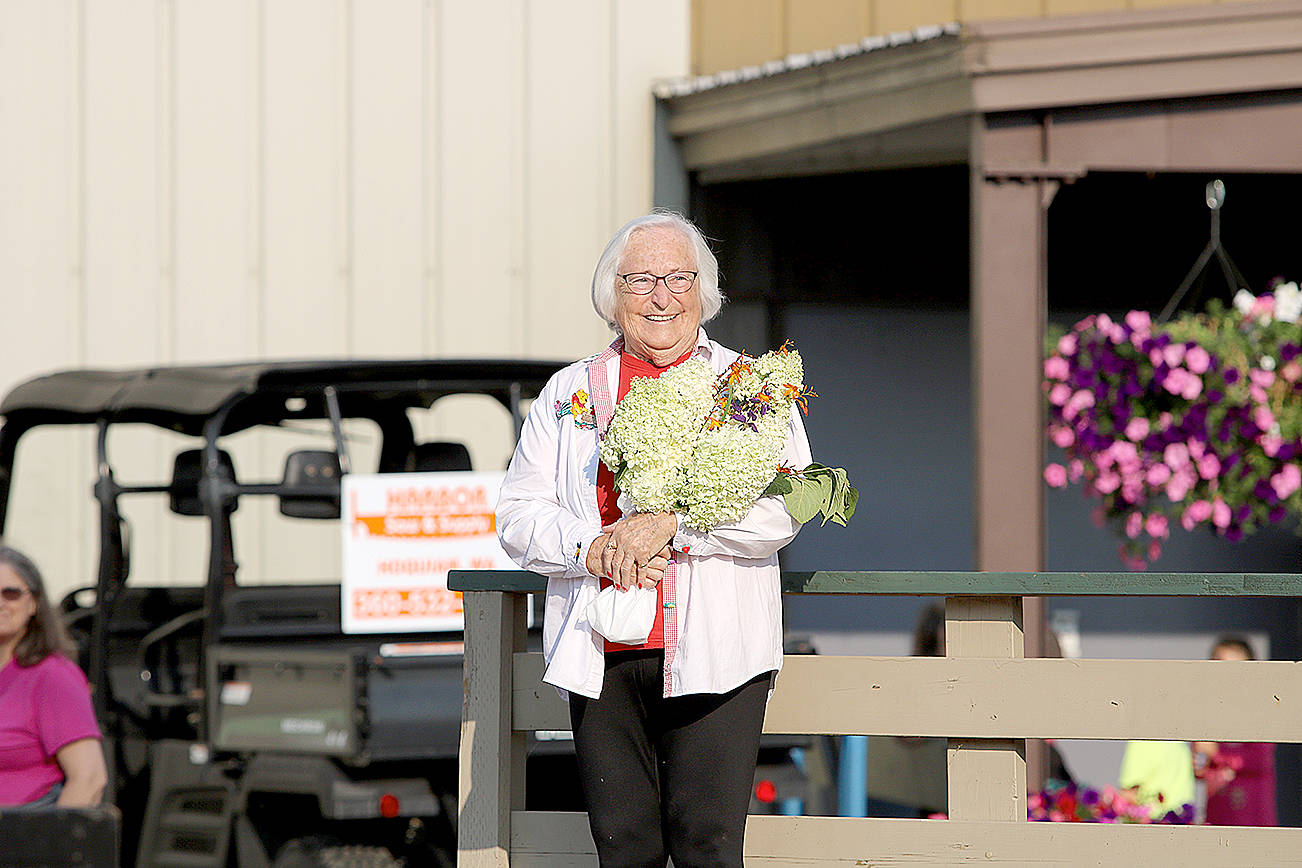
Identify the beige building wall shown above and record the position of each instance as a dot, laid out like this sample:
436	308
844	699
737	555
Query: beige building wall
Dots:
206	180
730	34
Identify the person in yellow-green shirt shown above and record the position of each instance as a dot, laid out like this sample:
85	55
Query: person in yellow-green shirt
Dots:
1161	775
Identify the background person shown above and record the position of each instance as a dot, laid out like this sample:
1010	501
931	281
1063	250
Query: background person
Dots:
1240	776
49	742
666	733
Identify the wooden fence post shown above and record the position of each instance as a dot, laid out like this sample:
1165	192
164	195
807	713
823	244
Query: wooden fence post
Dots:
987	777
492	756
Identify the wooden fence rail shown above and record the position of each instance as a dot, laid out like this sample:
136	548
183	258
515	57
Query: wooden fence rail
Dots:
984	696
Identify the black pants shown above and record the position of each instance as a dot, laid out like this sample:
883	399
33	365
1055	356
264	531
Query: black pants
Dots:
666	777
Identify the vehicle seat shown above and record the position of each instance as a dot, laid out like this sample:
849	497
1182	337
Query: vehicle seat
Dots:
440	455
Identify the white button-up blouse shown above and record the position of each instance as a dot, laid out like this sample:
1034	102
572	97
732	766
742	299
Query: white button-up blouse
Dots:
723	602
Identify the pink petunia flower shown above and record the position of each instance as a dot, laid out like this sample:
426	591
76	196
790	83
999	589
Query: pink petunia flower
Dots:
1176	455
1059	394
1139	320
1221	514
1137	428
1193	387
1263	418
1056	475
1264	379
1176	381
1291	372
1173	354
1287	480
1154	550
1197	360
1107	482
1180	483
1067	343
1158	474
1134	524
1198	512
1270	444
1056	368
1157	526
1075	470
1209	466
1062	436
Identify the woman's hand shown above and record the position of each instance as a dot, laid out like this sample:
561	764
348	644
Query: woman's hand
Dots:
635	550
85	776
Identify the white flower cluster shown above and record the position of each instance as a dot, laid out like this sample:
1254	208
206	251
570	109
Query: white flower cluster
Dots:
703	446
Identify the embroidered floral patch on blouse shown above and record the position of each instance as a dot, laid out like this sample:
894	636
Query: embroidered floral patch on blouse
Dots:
580	407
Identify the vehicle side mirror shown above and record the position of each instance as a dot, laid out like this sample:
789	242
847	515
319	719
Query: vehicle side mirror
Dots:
187	468
317	472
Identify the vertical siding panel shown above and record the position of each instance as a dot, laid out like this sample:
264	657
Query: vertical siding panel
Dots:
892	15
479	61
386	136
212	181
972	10
40	260
1072	7
122	190
431	150
650	42
814	24
304	300
737	33
571	137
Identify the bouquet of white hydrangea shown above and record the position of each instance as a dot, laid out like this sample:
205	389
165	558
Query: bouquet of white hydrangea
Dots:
707	446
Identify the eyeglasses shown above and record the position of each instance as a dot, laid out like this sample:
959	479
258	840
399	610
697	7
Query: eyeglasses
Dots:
644	282
13	594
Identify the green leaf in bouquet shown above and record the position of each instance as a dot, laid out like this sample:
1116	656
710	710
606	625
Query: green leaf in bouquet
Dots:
805	499
851	500
834	510
781	484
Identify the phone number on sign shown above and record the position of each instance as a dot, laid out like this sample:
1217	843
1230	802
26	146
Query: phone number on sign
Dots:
406	603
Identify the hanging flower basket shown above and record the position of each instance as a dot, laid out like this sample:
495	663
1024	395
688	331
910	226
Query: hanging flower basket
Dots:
1196	422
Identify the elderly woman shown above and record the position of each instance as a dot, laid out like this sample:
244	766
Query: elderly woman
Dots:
49	742
666	732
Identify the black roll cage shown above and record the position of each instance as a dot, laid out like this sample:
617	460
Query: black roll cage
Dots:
215	401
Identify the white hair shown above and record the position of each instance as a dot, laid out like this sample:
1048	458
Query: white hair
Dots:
603	278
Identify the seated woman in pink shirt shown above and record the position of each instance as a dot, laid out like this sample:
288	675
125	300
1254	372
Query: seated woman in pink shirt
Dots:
49	741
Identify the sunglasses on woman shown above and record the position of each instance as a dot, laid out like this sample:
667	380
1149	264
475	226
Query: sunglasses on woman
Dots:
13	594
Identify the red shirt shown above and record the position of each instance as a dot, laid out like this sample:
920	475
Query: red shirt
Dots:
630	367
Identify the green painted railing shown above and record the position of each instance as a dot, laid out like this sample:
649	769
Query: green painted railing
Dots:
961	584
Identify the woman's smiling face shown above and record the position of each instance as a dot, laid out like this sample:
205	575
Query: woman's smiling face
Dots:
14	614
661	326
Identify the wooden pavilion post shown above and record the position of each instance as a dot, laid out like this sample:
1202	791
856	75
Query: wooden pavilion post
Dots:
1011	188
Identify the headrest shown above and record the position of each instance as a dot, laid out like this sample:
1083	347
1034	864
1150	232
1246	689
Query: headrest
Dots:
440	455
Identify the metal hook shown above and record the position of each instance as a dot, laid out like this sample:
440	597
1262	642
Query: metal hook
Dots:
1215	200
1215	194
